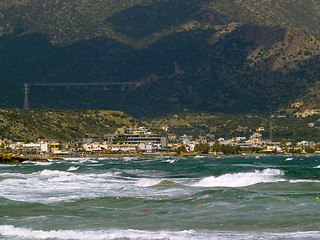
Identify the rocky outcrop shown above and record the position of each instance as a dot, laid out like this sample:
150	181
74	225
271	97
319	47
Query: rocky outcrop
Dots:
11	158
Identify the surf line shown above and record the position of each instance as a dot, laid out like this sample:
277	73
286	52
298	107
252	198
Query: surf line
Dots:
155	210
159	210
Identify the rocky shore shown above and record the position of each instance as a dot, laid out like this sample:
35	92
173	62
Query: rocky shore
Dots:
11	158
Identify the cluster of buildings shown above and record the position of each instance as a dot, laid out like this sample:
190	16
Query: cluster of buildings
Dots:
140	140
125	140
266	146
254	143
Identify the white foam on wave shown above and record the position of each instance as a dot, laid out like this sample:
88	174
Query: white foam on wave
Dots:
127	159
317	166
87	160
289	159
92	161
9	232
242	179
198	156
304	181
49	186
55	176
171	161
25	233
11	175
72	168
44	163
7	165
51	173
94	165
73	159
148	182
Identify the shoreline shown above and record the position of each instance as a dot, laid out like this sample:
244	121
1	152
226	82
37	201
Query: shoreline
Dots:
15	159
155	155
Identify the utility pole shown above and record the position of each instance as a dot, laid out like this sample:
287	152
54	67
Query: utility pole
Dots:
26	99
270	130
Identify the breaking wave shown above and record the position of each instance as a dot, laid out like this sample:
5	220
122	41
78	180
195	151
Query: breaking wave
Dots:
242	179
48	186
148	182
73	168
304	181
11	232
26	233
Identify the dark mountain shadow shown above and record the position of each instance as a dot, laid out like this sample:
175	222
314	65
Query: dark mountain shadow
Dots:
192	75
142	21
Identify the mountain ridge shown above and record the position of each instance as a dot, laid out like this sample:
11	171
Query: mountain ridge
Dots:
204	55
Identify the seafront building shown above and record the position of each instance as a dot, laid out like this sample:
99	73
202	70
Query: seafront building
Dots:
141	140
153	139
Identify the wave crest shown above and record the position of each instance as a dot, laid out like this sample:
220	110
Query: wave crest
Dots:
26	233
242	179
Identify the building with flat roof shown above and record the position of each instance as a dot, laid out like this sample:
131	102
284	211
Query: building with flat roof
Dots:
137	139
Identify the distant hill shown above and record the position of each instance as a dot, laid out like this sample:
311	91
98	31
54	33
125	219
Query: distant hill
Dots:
187	55
24	125
286	127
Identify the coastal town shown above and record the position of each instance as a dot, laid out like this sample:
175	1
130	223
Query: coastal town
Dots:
140	141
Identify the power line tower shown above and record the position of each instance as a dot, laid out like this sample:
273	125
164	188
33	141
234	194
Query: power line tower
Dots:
270	131
26	99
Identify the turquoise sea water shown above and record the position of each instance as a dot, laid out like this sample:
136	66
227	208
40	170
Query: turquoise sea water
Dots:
162	198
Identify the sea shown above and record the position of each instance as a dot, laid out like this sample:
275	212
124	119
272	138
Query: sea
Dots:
162	198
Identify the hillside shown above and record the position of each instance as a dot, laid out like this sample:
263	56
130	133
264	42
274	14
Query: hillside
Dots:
23	125
285	127
71	125
187	55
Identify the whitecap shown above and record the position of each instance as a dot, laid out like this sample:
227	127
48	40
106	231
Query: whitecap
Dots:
26	233
127	159
241	179
52	173
43	163
49	186
7	165
39	163
289	159
148	182
92	161
87	160
171	161
94	165
198	156
73	159
304	181
73	168
11	232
